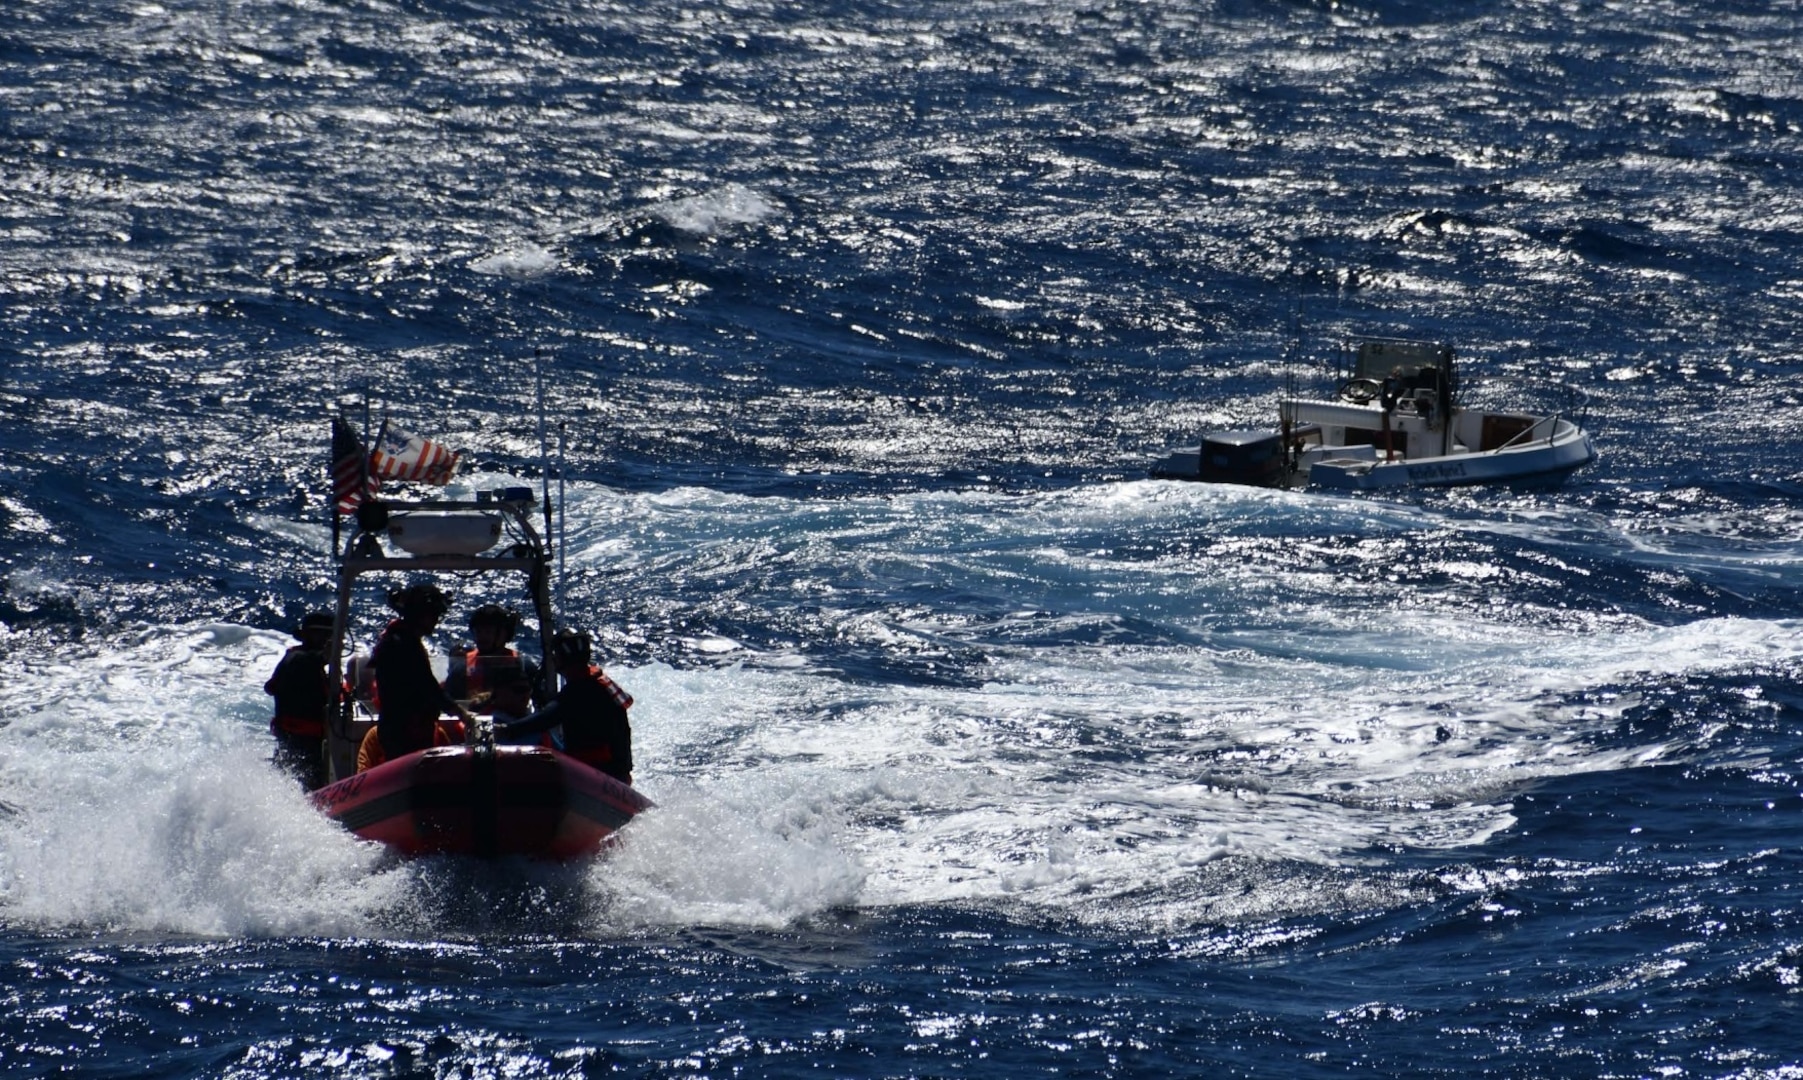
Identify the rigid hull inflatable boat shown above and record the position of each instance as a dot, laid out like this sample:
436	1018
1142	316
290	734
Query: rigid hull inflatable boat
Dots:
476	797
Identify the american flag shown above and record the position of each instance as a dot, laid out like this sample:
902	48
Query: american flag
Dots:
398	455
352	483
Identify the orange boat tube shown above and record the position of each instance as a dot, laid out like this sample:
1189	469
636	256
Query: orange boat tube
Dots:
486	801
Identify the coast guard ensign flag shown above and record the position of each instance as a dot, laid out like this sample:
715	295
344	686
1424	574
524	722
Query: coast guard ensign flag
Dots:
399	455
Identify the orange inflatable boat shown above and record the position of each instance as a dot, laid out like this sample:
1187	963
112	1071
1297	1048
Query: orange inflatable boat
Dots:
486	801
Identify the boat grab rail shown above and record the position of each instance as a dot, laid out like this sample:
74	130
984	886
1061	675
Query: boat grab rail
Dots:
1557	395
1552	419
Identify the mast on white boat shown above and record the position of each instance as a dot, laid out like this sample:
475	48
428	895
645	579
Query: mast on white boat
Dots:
1448	398
1286	403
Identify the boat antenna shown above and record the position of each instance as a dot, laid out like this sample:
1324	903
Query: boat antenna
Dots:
561	527
544	451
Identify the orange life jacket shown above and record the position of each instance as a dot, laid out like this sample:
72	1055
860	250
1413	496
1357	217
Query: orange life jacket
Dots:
477	667
617	691
370	752
306	727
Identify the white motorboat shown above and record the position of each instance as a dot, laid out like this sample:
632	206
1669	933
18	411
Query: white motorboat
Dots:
1397	422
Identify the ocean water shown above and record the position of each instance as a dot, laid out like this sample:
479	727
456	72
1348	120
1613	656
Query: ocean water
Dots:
976	751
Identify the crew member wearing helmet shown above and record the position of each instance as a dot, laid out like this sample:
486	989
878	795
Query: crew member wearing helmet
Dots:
303	691
412	700
478	671
591	707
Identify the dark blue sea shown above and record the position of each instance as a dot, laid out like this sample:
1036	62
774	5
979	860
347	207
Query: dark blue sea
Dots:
976	751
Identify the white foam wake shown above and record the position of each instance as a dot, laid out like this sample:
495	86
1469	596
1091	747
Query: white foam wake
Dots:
1123	733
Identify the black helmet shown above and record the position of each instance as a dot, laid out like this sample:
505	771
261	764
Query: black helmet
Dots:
314	621
419	599
498	616
570	647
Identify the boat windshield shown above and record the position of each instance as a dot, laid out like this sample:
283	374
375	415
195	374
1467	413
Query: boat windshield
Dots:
1378	358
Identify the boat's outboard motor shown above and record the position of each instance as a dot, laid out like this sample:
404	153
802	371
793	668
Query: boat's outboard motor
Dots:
1242	457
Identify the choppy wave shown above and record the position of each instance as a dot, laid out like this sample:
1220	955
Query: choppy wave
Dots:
1023	700
975	750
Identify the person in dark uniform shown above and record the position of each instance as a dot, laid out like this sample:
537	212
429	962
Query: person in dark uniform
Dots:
303	692
512	701
412	700
591	707
485	666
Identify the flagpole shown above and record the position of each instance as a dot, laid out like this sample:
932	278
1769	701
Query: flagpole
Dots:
332	485
332	451
363	434
562	531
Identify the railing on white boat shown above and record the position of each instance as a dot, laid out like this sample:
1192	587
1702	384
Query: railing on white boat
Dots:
1529	430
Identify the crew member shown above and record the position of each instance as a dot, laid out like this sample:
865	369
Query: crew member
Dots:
479	670
369	751
1390	393
303	692
412	700
591	707
510	702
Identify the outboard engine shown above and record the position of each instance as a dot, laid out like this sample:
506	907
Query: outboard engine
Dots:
1242	457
